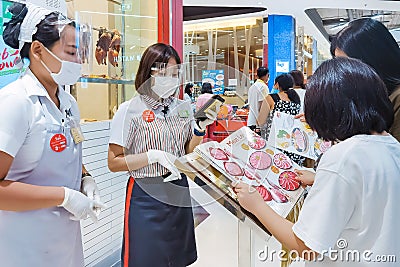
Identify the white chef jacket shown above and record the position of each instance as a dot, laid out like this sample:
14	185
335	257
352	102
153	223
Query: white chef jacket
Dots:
23	129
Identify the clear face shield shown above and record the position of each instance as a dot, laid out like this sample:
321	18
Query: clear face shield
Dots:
72	51
75	40
165	81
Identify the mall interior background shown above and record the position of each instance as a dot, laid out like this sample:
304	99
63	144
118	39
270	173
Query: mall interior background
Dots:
235	36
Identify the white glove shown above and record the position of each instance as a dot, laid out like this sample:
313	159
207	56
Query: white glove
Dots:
79	205
211	117
166	160
90	189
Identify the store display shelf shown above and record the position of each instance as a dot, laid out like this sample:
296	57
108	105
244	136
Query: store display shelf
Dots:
104	80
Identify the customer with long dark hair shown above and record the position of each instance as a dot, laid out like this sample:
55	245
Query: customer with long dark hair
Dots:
371	42
287	101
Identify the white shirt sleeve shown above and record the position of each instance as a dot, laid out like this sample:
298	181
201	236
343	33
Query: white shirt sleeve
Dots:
326	211
262	93
16	112
120	126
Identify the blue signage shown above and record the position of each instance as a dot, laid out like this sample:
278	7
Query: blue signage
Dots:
217	80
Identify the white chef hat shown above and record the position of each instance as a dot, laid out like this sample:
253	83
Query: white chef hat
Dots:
33	17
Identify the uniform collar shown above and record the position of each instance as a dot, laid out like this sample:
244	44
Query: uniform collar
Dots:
33	87
154	104
261	81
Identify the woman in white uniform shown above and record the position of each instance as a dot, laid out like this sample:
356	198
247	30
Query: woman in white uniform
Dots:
41	163
147	134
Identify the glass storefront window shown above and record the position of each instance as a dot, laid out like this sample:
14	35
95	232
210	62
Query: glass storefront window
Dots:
108	80
236	44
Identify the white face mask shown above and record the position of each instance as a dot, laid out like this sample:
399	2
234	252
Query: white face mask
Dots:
70	72
165	87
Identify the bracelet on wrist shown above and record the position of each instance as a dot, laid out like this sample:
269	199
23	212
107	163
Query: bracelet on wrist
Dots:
85	174
198	133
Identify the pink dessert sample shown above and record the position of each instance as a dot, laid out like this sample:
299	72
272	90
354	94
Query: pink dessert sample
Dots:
218	153
265	194
278	196
257	143
233	168
260	160
287	180
282	161
251	174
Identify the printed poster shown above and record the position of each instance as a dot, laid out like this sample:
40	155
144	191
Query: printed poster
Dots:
216	78
8	55
247	157
295	136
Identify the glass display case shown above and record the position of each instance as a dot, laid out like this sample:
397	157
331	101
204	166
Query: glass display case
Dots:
118	32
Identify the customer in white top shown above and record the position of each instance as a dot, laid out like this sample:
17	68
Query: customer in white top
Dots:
41	172
299	86
351	214
257	93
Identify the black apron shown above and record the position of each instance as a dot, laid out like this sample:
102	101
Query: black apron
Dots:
158	226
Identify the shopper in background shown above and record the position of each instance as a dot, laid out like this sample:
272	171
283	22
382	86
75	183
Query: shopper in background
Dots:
188	95
257	93
287	101
206	94
41	170
371	42
148	133
299	86
353	203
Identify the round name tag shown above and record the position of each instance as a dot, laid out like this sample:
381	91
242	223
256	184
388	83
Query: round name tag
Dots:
58	142
148	115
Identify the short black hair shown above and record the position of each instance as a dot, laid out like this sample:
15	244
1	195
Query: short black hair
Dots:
371	42
206	88
346	97
262	71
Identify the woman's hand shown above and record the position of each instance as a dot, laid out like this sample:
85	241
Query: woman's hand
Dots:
248	196
301	117
305	177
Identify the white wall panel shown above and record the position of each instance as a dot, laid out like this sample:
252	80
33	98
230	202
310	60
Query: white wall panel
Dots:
104	238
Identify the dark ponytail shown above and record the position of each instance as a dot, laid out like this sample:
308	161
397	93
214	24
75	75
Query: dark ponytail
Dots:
286	82
13	27
47	32
293	96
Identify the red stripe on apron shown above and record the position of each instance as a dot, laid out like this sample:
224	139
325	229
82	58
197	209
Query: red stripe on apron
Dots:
126	225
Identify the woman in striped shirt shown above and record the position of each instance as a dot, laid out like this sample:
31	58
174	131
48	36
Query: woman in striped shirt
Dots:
148	133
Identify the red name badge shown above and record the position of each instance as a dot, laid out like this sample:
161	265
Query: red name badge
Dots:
58	142
148	115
